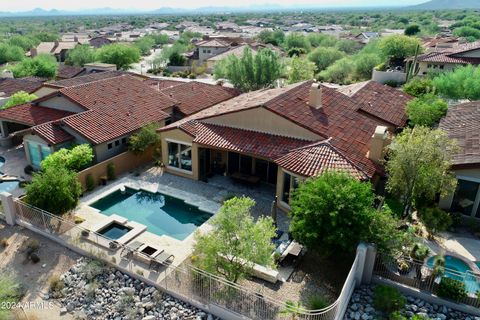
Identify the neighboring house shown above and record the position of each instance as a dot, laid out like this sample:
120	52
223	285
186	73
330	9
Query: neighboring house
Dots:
281	136
67	72
10	86
462	123
447	59
210	48
228	27
98	42
365	37
103	113
58	49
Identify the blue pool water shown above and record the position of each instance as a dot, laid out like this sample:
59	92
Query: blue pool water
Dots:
162	214
456	268
8	186
114	231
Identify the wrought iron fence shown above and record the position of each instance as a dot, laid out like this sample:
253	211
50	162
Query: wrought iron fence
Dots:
189	282
417	274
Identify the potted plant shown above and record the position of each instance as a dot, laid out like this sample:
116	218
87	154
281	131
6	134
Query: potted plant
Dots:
404	266
85	233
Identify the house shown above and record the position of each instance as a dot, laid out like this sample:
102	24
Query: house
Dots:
102	113
462	123
67	72
448	59
210	48
228	27
10	86
281	136
58	49
98	42
365	37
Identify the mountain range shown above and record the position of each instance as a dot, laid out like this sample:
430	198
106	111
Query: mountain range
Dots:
430	5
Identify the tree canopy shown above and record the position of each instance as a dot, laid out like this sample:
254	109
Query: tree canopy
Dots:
334	212
17	98
398	47
236	242
55	190
426	110
418	87
418	165
74	159
340	72
412	30
251	72
300	69
325	57
461	83
80	55
297	40
120	55
140	141
10	53
43	66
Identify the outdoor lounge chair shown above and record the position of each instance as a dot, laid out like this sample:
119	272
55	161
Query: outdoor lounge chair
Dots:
162	259
129	249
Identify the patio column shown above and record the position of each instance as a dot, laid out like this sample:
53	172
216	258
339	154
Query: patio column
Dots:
8	208
3	129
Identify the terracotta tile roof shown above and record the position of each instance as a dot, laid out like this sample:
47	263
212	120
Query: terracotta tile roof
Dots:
116	107
55	47
194	96
462	123
444	57
28	84
348	121
67	72
249	142
317	158
85	79
383	102
212	43
52	133
160	84
32	115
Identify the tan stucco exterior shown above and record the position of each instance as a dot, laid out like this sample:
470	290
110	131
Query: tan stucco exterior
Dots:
262	120
177	135
425	67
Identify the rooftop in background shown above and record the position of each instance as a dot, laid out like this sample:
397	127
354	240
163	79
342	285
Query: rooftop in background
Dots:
466	53
462	123
11	85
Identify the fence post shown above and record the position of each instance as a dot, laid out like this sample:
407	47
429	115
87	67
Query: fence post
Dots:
362	254
369	264
8	208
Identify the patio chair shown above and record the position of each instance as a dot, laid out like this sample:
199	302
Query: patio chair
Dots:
163	259
129	249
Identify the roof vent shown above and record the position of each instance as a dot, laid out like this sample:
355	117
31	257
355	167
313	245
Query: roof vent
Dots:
315	97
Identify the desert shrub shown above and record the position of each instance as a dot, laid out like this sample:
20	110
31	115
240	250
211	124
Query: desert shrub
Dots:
31	246
56	285
426	110
388	299
90	182
317	302
34	258
420	251
451	289
111	174
435	219
93	269
91	288
397	316
10	291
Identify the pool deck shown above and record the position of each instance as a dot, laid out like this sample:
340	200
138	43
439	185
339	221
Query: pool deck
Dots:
466	247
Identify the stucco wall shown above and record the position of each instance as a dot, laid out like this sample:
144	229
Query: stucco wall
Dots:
61	103
262	120
423	67
385	77
102	152
177	135
213	52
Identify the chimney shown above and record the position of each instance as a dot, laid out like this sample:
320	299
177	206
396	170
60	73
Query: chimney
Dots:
378	143
315	97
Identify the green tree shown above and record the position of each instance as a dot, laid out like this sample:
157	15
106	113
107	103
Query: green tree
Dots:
426	110
334	212
166	53
435	220
120	55
273	37
325	57
80	55
418	87
412	30
43	65
145	44
251	72
176	59
236	242
321	40
55	190
418	165
19	97
140	141
462	83
297	40
10	53
159	38
340	72
348	46
467	32
398	47
25	42
364	64
74	159
300	69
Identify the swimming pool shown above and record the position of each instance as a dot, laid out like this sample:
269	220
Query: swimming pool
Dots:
114	231
7	186
456	269
162	214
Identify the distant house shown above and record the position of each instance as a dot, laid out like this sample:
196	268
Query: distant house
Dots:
447	59
282	136
210	48
10	86
67	72
365	37
462	123
227	27
58	49
98	42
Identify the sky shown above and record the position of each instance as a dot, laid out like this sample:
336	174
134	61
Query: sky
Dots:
25	5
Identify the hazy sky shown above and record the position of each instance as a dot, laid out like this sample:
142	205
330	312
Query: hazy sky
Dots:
24	5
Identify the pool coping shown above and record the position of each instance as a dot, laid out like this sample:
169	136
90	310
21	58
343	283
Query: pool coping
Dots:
136	228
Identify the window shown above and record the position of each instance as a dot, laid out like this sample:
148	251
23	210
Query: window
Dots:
124	140
204	51
290	183
180	156
110	146
442	67
117	143
466	198
429	65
